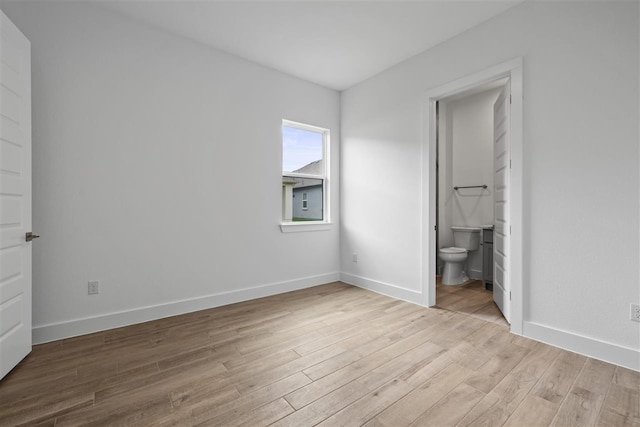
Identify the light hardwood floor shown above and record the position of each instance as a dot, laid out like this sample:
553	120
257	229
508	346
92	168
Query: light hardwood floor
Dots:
471	299
329	355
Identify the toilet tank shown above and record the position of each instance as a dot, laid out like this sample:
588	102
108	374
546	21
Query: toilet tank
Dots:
466	237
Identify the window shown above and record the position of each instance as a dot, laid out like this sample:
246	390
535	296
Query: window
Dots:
304	172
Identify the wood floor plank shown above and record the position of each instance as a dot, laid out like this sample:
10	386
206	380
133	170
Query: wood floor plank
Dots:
47	423
130	412
201	393
260	416
611	419
327	355
533	411
406	367
498	405
471	298
406	410
559	378
161	381
357	369
626	378
15	388
449	298
476	349
584	401
490	312
463	326
409	367
469	304
342	334
496	368
364	409
218	414
623	401
250	382
451	408
379	339
420	373
41	408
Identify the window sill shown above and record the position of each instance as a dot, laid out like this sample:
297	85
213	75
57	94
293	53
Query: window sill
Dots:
295	227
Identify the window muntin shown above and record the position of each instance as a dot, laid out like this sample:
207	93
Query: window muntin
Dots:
304	172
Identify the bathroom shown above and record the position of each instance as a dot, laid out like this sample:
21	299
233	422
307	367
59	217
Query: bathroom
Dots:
466	159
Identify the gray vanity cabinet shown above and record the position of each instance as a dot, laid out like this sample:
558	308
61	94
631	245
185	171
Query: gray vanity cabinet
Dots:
487	257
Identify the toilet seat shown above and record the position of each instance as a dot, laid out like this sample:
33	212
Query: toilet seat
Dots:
453	250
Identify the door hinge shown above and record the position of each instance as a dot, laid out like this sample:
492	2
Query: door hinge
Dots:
509	99
509	163
509	230
509	295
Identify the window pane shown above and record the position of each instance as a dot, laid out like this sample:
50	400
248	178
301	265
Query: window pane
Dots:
301	151
307	197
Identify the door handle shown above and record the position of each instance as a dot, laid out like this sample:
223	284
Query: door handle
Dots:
30	236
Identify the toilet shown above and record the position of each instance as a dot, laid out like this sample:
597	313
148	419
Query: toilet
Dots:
465	239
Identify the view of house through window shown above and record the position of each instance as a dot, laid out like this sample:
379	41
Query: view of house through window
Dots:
304	177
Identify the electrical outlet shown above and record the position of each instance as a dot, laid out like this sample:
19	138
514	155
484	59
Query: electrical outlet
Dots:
94	287
354	258
635	312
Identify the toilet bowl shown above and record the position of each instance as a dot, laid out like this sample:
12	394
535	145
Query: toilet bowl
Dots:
454	262
465	239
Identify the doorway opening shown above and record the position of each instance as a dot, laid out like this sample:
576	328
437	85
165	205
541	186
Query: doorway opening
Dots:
508	222
465	197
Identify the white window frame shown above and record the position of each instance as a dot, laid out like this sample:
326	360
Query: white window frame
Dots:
325	223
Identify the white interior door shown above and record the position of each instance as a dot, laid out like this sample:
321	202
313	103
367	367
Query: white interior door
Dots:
502	230
15	195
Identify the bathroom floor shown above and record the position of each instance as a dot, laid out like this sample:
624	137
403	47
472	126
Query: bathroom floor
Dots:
470	298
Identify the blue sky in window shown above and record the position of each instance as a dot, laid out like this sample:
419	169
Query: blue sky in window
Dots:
299	148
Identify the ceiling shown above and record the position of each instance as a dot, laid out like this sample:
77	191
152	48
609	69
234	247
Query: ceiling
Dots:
336	44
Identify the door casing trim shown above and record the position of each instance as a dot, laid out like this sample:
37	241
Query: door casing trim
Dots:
516	266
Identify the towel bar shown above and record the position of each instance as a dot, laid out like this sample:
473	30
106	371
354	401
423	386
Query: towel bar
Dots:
472	186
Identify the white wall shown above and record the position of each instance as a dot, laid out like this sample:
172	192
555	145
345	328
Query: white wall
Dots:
157	170
465	157
472	159
581	246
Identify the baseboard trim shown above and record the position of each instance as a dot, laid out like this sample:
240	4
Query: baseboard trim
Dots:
607	352
611	353
382	288
475	274
55	331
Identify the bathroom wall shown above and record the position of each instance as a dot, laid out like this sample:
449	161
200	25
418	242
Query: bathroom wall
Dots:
465	157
